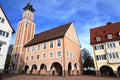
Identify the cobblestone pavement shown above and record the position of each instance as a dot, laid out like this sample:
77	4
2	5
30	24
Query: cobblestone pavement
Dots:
38	77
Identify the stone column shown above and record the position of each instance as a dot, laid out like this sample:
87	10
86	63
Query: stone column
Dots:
48	73
116	73
66	73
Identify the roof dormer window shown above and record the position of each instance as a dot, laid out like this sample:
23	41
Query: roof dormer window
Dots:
118	33
98	38
109	36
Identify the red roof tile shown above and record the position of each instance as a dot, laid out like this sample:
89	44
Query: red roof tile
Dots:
103	31
54	33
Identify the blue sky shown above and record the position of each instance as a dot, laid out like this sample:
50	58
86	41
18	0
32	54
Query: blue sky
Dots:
85	14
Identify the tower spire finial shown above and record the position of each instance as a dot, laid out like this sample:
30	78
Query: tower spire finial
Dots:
29	7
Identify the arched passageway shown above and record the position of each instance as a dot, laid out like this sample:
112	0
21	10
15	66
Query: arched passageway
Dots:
33	69
118	70
69	68
43	69
75	69
106	71
26	68
56	69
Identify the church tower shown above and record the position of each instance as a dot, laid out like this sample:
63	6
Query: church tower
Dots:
25	33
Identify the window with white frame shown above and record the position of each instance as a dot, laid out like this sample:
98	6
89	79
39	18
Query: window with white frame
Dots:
44	45
109	36
59	54
101	57
0	47
113	55
58	42
98	38
111	45
4	33
51	44
44	56
38	56
32	57
38	48
99	47
51	54
32	48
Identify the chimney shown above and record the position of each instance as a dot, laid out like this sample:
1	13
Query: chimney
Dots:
108	23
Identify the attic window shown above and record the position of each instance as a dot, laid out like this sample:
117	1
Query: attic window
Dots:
109	36
119	33
98	38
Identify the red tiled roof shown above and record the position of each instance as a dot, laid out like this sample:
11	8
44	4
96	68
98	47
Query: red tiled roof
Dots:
103	31
54	33
7	19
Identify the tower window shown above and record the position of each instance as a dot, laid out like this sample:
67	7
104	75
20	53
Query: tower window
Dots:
26	24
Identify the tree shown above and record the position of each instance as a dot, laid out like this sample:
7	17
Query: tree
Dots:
87	59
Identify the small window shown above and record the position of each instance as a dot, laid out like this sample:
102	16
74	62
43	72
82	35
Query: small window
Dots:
32	48
98	38
51	44
117	56
109	36
26	58
31	57
51	55
38	56
67	53
44	45
38	47
27	49
110	56
44	56
70	54
26	25
59	54
119	33
59	42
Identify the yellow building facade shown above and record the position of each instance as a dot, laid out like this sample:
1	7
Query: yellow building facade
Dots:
105	42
